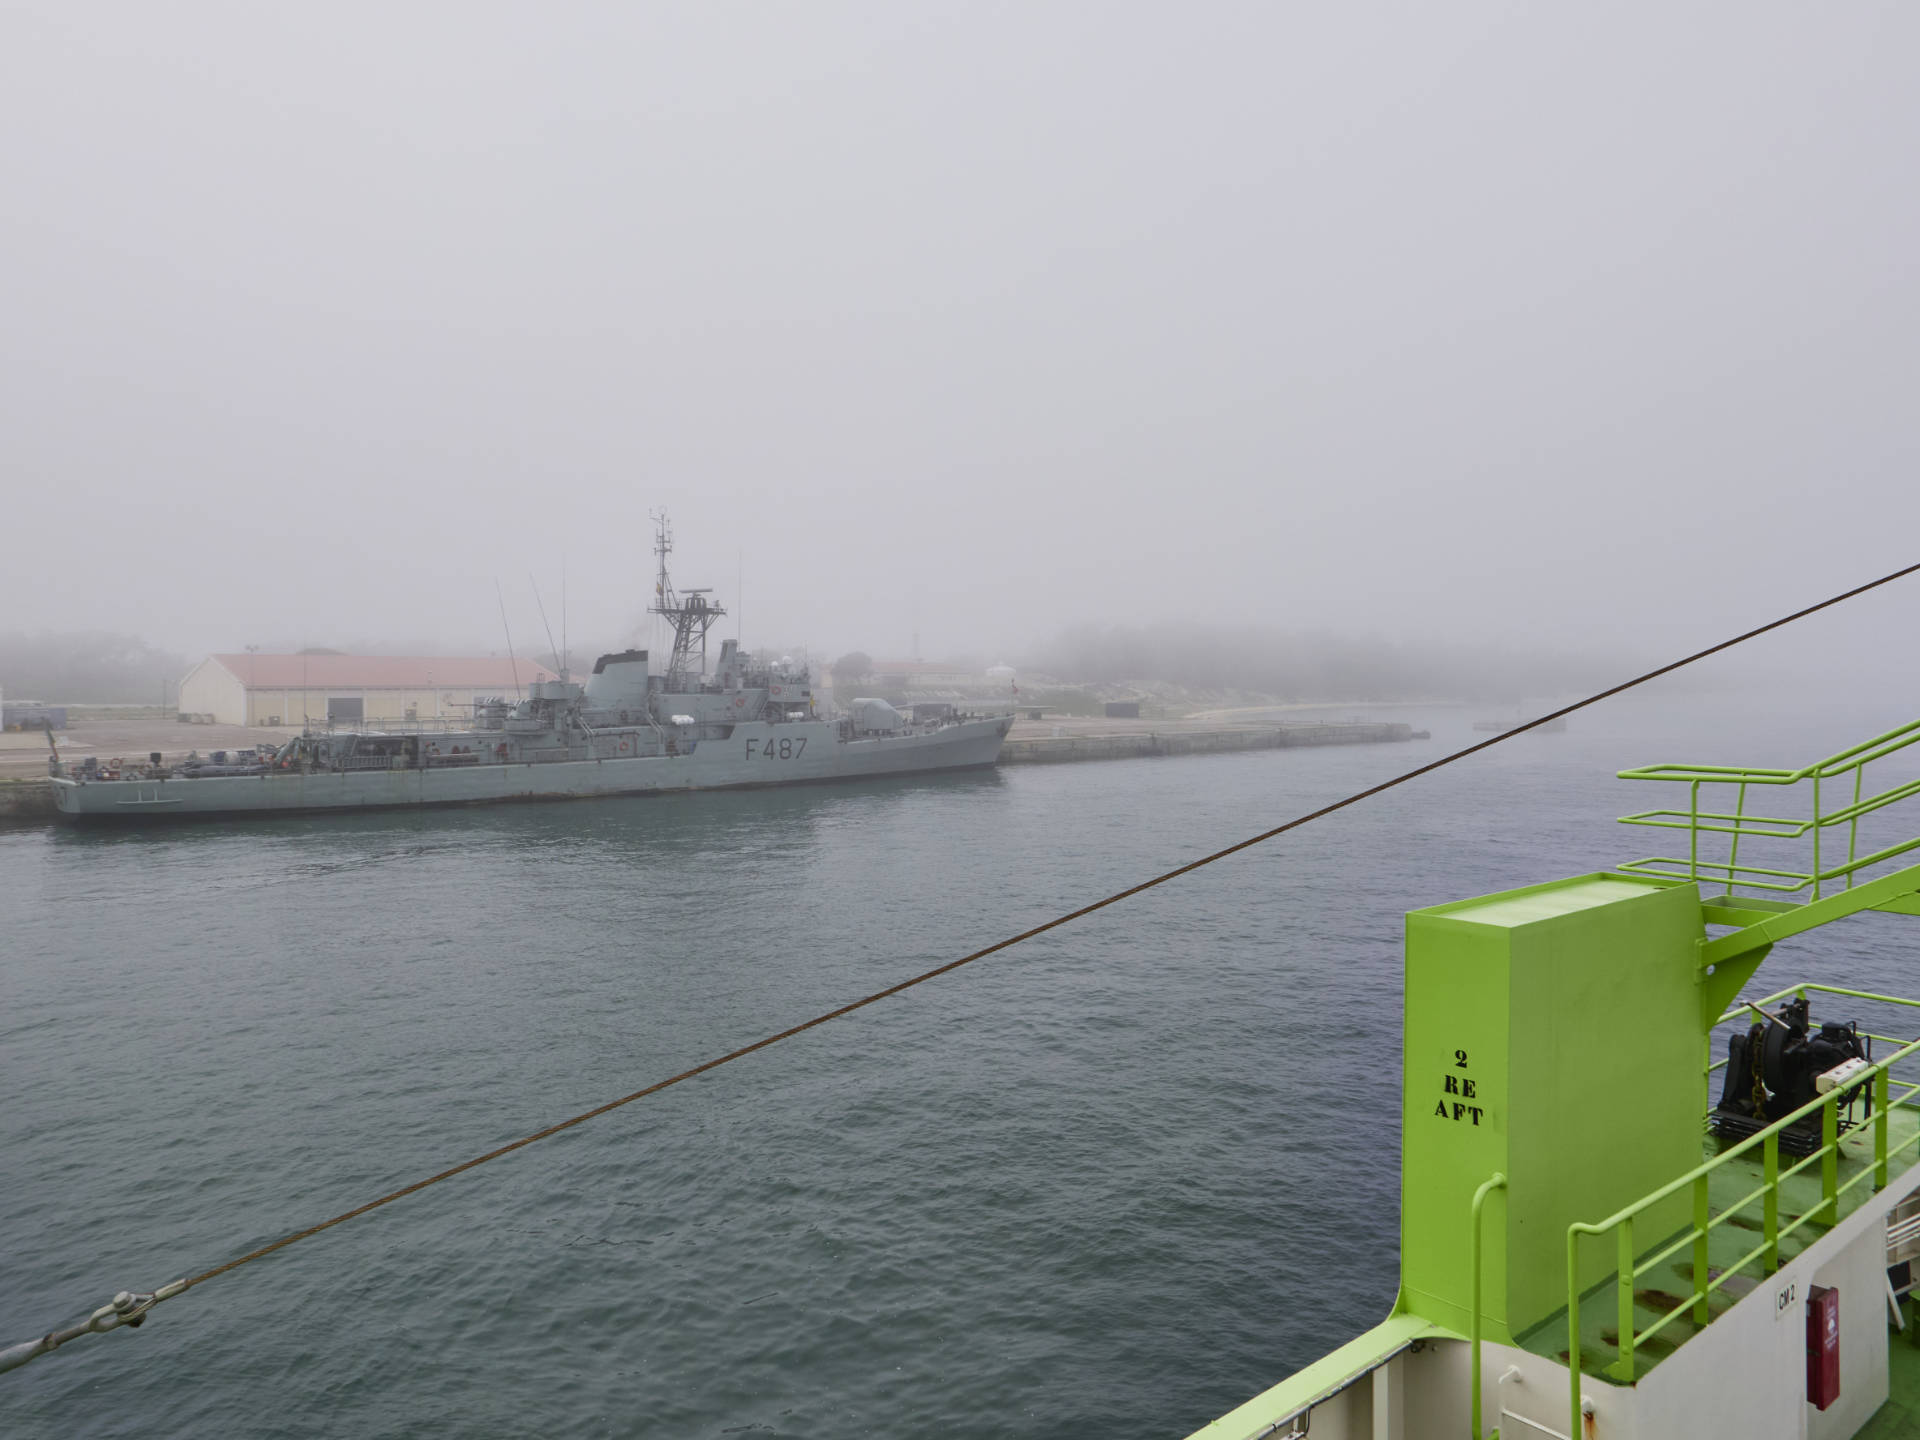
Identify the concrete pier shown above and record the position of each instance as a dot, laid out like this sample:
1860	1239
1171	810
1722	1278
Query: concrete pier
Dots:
29	800
25	802
1044	749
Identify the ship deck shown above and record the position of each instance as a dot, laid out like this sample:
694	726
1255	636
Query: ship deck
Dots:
1669	1284
1900	1416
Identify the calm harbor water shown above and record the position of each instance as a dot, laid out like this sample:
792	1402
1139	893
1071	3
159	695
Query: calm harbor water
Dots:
1112	1182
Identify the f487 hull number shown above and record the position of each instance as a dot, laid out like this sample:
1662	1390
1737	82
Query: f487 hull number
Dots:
787	747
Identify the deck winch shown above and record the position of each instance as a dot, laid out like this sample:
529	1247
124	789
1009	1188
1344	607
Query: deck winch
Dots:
1777	1068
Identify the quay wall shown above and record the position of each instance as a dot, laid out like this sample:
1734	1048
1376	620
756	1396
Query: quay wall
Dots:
1045	749
30	801
25	801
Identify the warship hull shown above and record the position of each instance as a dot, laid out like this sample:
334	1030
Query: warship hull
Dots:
755	754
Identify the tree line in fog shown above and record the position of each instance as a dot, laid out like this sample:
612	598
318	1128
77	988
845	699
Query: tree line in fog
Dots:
1313	664
91	666
107	668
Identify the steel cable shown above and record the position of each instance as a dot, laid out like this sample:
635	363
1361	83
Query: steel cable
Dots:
180	1287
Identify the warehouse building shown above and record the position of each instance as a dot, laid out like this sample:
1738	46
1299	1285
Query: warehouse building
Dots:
256	689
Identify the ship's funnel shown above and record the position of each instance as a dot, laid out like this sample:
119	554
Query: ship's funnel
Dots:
619	681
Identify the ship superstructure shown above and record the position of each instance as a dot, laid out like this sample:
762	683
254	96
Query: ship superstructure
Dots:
1636	1201
626	730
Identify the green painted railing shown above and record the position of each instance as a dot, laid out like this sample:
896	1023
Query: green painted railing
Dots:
1746	1008
1738	825
1630	1267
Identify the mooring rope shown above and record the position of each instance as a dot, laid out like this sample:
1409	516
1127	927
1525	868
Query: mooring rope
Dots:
131	1309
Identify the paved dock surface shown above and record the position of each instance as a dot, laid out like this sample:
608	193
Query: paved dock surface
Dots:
25	795
134	736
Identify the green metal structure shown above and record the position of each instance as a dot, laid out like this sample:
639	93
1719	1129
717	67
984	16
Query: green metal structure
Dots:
1820	778
1722	1190
1559	1194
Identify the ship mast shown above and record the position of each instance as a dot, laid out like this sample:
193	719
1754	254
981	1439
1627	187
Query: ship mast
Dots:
689	612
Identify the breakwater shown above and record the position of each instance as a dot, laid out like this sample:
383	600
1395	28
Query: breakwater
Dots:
29	801
1046	749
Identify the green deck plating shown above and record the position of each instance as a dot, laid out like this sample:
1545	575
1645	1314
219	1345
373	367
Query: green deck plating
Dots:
1664	1287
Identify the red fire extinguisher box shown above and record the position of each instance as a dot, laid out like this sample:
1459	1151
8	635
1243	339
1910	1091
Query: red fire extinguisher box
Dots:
1823	1346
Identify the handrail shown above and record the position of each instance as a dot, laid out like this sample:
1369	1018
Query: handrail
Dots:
1495	1181
1704	1221
1673	1187
1740	1007
1671	868
1836	764
1739	824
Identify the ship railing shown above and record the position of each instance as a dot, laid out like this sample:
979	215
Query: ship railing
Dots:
551	755
1631	1266
1745	1009
391	725
1822	777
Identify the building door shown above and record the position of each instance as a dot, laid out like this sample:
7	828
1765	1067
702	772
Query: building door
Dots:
351	709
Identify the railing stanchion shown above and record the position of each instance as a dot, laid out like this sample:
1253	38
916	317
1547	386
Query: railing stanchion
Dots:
1624	1366
1853	825
1573	1325
1816	834
1880	1129
1733	852
1830	1157
1496	1181
1702	1216
1693	835
1770	1162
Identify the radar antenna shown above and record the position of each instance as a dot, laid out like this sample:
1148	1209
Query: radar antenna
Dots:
689	612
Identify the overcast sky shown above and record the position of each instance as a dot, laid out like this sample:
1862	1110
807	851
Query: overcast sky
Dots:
1564	324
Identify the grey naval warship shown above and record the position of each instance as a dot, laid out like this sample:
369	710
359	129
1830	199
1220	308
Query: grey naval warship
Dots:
626	731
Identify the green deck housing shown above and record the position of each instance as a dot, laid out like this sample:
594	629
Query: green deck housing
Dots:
1553	1036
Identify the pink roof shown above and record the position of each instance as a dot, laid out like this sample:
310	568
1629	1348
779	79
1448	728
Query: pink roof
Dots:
381	672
